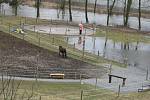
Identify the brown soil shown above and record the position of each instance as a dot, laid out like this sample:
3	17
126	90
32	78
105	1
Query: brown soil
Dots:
20	58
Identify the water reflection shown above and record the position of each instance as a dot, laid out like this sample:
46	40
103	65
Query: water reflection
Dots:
134	54
80	40
78	16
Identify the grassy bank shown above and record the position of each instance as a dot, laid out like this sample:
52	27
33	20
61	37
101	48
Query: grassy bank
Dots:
50	42
123	37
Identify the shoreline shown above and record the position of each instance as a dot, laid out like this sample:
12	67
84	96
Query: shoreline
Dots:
101	9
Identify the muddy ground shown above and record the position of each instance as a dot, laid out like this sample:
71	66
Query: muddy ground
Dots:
20	58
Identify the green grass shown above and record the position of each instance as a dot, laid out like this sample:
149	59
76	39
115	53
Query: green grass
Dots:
69	91
61	91
122	36
47	40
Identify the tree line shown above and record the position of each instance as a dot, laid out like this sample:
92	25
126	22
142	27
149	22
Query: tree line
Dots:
62	4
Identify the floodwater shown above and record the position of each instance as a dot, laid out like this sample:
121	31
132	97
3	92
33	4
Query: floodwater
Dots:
78	16
137	55
120	3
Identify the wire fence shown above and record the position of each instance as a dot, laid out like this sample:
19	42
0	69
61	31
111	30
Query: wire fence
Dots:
50	42
40	36
33	92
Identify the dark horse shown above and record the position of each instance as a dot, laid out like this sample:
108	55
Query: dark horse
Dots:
62	51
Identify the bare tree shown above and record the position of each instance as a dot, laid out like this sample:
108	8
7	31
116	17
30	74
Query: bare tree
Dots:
124	12
112	6
15	4
70	13
108	12
86	16
129	3
139	14
37	4
95	6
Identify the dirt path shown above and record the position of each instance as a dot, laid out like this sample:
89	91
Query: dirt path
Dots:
59	29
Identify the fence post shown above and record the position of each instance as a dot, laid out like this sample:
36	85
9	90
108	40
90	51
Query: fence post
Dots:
67	41
9	28
36	20
40	98
23	26
118	90
85	32
75	75
23	36
98	54
34	28
74	46
80	78
39	41
51	20
53	40
66	32
4	13
110	68
50	31
93	29
96	83
67	22
147	74
83	47
81	94
20	22
25	20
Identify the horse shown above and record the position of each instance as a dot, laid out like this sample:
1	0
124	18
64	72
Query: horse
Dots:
62	52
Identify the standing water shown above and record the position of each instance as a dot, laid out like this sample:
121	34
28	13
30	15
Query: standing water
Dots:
78	16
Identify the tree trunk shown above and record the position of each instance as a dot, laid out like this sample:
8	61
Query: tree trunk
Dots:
108	13
70	13
38	8
63	8
139	14
128	11
86	16
16	9
124	13
95	6
112	6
